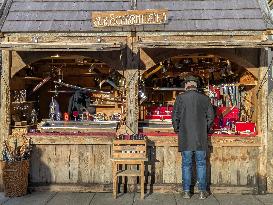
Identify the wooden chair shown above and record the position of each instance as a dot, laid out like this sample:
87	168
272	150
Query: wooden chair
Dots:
128	152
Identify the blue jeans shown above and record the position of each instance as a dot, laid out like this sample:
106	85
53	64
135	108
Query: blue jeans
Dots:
200	158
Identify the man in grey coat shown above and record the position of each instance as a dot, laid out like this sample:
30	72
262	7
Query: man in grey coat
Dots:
192	118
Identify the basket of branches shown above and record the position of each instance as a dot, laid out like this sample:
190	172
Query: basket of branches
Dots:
15	165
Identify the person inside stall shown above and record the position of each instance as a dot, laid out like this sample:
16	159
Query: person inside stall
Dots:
192	117
80	103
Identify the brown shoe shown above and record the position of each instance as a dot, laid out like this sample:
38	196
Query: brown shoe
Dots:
203	195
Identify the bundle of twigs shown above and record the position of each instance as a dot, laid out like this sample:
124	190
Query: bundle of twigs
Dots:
15	149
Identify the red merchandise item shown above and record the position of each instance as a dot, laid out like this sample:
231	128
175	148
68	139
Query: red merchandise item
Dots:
216	92
159	112
158	117
225	115
66	116
228	112
245	127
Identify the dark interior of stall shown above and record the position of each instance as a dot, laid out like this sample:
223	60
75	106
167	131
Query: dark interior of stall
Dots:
230	87
61	92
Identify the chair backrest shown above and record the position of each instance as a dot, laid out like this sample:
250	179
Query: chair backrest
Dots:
129	149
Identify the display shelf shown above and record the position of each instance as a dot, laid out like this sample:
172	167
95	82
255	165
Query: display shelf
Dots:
23	126
239	84
23	102
168	89
103	105
47	125
32	78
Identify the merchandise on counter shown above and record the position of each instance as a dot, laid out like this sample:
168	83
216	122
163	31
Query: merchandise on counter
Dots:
245	127
159	112
80	101
115	117
66	116
138	136
33	116
54	110
226	117
99	116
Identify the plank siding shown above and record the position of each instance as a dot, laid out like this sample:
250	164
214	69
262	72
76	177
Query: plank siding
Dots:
91	164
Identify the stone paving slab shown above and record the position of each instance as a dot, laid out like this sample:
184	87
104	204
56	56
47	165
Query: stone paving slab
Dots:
35	198
3	198
155	199
66	198
107	199
266	199
194	200
237	199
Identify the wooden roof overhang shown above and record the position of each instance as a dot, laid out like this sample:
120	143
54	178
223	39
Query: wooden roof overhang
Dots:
204	44
23	46
230	39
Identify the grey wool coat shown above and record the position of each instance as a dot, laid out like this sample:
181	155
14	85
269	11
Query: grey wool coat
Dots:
192	117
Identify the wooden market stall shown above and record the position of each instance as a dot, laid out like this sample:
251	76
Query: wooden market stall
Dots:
124	69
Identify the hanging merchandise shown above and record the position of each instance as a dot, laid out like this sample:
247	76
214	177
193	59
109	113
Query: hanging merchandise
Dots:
229	88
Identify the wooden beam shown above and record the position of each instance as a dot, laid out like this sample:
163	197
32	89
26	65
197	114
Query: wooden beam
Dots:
131	75
266	164
160	141
147	61
204	44
17	63
265	178
5	101
157	188
47	138
17	46
5	95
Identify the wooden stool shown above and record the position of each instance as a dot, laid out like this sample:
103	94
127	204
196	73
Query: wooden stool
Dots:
129	152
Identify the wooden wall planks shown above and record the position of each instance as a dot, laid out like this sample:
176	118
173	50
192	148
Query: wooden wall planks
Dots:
91	164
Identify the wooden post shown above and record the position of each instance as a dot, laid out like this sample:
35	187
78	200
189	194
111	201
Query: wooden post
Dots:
262	93
5	101
132	109
131	76
268	142
5	95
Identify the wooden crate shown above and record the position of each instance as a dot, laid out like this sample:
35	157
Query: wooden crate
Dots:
129	149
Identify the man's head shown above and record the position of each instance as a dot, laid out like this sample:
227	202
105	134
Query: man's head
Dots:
191	82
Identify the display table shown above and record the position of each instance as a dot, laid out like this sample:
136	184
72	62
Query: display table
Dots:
77	126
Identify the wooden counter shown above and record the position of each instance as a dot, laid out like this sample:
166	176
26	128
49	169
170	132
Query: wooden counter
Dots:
83	159
155	138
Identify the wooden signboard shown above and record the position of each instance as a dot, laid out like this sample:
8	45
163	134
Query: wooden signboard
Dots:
129	18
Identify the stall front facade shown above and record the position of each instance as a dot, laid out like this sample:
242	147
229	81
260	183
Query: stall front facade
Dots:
72	72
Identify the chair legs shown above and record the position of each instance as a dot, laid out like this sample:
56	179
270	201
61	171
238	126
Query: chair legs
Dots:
142	181
115	180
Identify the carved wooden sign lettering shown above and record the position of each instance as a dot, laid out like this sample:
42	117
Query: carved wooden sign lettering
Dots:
129	18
